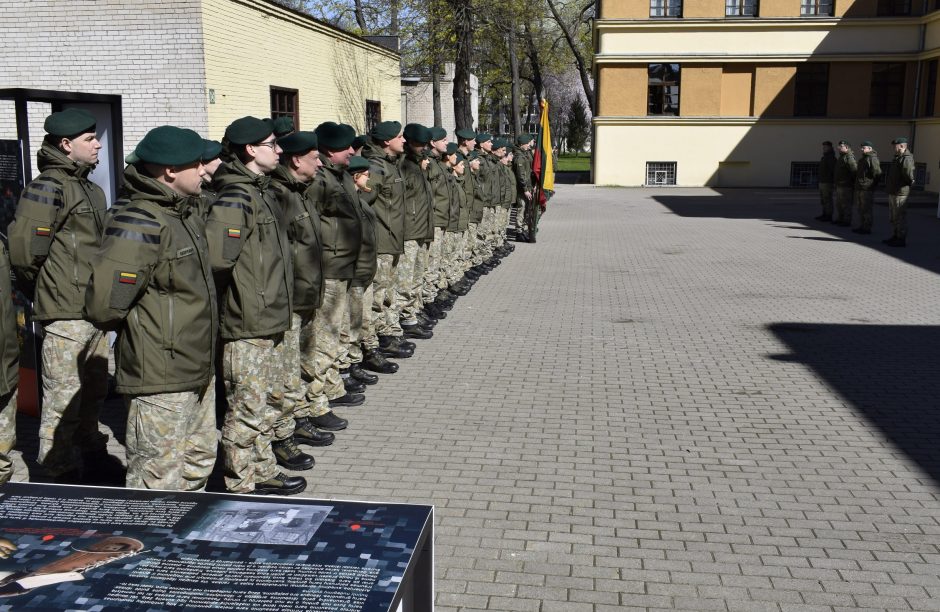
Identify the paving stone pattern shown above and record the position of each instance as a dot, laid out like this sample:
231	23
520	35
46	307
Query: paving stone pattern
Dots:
678	399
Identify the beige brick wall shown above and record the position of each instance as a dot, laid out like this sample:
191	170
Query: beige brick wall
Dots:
147	51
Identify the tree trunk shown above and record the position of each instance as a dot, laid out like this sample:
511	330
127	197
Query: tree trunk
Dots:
463	27
514	72
536	66
578	58
360	17
393	8
436	93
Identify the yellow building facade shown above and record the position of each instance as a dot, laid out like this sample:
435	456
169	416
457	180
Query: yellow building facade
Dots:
735	93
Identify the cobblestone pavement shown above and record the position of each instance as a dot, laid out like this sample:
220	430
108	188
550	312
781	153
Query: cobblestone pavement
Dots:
677	399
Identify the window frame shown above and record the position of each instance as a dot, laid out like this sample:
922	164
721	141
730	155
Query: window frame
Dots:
276	92
894	89
930	91
372	121
669	9
817	7
812	85
665	96
736	8
891	8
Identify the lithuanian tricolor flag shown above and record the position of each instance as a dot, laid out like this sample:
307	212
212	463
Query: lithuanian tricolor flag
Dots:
543	163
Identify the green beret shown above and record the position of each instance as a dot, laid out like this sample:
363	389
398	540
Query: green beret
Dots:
335	136
438	133
69	123
483	137
473	155
360	141
417	133
521	139
248	130
298	142
451	148
500	143
461	157
843	142
169	145
283	126
827	143
465	134
386	130
899	140
867	143
211	149
358	164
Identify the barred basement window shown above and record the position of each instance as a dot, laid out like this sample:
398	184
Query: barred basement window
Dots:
660	173
804	174
740	8
285	103
665	8
816	8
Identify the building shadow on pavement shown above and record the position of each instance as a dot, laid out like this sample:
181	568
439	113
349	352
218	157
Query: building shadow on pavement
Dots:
790	210
889	374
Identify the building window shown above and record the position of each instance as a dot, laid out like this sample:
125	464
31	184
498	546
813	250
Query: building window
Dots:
665	8
663	90
285	103
660	173
373	114
920	176
812	89
930	99
816	8
890	8
887	89
804	174
740	8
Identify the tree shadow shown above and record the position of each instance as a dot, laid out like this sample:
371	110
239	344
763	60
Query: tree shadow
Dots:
889	374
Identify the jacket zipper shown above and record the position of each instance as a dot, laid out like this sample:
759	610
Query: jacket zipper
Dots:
171	304
74	257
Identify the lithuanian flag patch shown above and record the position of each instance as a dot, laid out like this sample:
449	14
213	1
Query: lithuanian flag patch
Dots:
234	232
43	231
128	278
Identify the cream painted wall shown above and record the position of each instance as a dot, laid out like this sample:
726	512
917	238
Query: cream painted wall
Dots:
250	46
769	147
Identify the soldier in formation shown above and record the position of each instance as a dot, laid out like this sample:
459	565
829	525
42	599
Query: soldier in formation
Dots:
276	262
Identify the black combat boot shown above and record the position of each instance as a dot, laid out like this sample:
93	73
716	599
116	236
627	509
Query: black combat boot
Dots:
425	320
376	361
356	371
434	311
416	331
329	422
305	432
291	457
348	400
391	346
352	385
281	484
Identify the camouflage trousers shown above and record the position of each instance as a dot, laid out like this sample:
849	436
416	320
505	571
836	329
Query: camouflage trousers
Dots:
171	439
357	325
845	198
865	199
491	228
466	253
7	434
897	212
321	347
74	385
475	245
435	268
385	313
408	278
825	198
254	372
453	249
296	404
521	221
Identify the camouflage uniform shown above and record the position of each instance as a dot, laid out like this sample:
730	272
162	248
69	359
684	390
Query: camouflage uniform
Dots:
434	271
406	293
9	368
827	169
898	186
321	346
59	223
296	403
846	168
869	169
385	301
7	434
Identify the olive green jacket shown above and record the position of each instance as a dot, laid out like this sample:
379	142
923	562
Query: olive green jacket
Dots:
508	193
441	196
464	199
250	254
522	168
152	281
869	169
846	168
9	343
366	263
59	224
901	176
387	199
334	192
489	168
480	194
419	201
303	230
827	168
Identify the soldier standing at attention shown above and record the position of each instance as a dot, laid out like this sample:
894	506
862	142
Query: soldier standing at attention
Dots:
441	198
59	224
846	168
419	231
300	163
152	282
250	254
899	184
827	169
9	367
869	169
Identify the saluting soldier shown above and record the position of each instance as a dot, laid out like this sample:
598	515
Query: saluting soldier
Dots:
845	174
59	224
9	367
827	169
869	169
899	184
152	282
250	254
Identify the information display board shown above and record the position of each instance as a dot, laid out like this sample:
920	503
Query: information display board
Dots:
103	549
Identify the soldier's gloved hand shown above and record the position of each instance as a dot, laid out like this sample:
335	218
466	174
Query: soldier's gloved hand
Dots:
7	548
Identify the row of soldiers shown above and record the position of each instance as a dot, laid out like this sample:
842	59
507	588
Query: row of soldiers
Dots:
852	182
292	266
